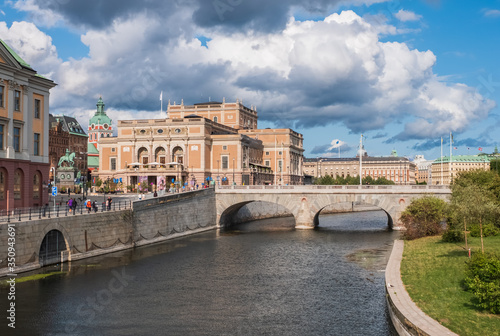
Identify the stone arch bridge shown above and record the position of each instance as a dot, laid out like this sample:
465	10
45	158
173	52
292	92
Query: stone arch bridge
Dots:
306	202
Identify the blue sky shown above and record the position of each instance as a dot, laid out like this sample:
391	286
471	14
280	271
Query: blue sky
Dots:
403	73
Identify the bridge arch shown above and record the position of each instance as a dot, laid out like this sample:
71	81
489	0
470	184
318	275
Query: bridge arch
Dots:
226	218
344	207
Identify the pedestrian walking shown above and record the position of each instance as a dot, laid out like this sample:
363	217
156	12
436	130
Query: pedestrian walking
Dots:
89	206
75	203
70	204
95	206
107	204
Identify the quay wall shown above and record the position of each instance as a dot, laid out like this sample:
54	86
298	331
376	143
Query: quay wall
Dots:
86	235
407	318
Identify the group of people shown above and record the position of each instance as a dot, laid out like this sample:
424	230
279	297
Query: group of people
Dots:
89	205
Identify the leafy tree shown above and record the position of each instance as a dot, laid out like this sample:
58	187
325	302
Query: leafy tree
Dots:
423	217
474	201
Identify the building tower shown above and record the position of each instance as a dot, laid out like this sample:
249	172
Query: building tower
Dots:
99	127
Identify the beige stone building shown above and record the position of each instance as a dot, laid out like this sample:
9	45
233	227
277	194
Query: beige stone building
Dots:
394	168
201	143
445	170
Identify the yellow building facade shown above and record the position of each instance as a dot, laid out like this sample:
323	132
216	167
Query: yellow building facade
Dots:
397	169
445	170
215	143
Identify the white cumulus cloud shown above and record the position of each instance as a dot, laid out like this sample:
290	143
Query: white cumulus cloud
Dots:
404	16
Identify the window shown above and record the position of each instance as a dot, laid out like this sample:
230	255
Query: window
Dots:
113	163
17	184
17	139
36	144
1	95
113	149
280	166
1	137
36	186
37	108
267	153
2	183
267	163
216	119
225	162
17	100
280	153
224	147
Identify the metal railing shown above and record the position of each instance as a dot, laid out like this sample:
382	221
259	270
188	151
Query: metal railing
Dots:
47	212
320	187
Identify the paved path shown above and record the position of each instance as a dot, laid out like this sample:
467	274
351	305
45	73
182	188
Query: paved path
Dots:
402	301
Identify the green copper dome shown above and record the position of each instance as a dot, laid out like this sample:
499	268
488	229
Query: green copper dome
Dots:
100	117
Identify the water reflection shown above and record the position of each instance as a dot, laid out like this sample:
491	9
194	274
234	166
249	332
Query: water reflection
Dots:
240	282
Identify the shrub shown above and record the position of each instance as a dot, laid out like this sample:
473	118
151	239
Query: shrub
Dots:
488	230
423	217
483	280
453	236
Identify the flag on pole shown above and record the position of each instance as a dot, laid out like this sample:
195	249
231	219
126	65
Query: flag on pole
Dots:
161	96
480	149
336	143
455	148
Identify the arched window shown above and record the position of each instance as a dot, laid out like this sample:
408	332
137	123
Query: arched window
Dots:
177	155
216	119
37	186
160	155
142	155
18	183
3	183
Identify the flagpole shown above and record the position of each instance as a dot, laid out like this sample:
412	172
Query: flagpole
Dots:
451	155
360	160
161	102
441	160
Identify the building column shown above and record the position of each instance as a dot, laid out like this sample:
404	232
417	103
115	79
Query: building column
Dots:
9	143
27	136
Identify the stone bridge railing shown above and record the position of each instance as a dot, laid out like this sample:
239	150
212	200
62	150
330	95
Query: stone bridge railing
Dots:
339	188
305	202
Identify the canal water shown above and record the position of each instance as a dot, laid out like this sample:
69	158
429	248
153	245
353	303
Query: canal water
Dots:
261	278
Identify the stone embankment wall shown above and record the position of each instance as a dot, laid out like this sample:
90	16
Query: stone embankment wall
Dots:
407	318
263	210
150	221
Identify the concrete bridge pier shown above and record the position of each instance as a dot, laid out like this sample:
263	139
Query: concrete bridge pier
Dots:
304	219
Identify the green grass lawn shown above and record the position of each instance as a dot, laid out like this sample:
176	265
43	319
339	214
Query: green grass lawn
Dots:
433	273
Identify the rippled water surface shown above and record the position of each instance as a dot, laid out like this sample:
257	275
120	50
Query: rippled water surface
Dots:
247	281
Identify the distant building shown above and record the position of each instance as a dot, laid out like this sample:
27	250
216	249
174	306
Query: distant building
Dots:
394	168
423	172
445	170
68	131
100	126
24	132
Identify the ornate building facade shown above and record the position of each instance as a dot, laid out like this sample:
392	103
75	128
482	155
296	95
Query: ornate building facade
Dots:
24	132
200	143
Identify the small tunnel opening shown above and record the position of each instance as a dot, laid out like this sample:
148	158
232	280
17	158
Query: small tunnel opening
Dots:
51	249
